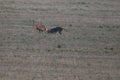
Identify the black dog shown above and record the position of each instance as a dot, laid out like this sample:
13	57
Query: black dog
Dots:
55	30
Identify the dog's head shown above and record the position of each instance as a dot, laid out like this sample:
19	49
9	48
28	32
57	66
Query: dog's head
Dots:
49	30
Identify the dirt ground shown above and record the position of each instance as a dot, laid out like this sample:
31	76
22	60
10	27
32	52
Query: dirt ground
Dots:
88	50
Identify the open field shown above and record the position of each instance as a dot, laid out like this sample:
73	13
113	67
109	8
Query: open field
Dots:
89	50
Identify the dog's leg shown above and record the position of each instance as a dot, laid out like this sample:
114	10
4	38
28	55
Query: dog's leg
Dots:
60	32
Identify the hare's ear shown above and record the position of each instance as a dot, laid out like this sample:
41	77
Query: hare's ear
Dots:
33	21
33	25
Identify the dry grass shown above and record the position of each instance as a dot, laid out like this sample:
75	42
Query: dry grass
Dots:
89	50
